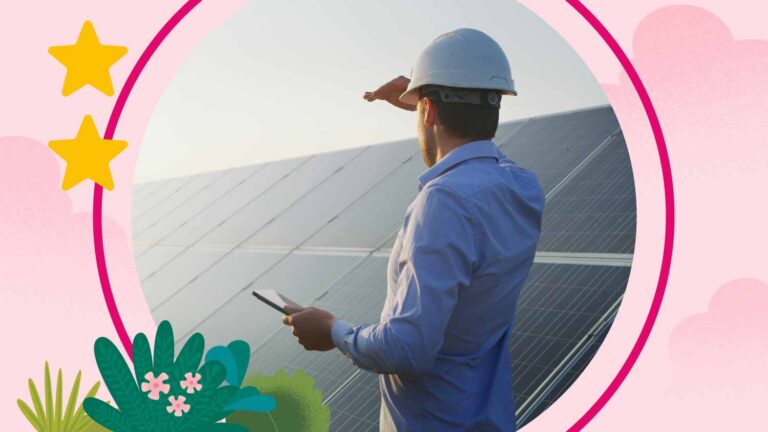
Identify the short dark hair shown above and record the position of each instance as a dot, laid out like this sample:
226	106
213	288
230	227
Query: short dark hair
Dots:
465	120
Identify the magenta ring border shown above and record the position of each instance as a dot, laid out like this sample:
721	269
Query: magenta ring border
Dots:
669	229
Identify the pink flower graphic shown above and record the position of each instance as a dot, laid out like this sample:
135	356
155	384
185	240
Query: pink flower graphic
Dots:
177	406
191	383
155	386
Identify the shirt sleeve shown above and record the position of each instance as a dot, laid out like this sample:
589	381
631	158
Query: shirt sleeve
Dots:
436	260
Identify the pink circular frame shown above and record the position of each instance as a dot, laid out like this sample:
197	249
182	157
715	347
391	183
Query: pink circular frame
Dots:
666	170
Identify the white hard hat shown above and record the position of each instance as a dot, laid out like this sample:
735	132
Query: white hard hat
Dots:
465	58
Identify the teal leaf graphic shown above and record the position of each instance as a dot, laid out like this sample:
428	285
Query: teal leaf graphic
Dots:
241	351
224	356
255	403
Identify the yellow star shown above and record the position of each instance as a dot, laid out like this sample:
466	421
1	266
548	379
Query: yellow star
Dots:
88	62
87	156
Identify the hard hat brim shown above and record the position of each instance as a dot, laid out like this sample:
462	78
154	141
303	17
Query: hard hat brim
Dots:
411	95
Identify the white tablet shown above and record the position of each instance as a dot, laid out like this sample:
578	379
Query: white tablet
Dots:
274	299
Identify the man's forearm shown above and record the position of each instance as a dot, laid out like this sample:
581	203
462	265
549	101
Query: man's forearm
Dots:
382	349
339	330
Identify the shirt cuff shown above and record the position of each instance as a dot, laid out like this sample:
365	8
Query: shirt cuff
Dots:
339	329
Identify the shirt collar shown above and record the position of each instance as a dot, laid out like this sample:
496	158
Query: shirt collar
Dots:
470	150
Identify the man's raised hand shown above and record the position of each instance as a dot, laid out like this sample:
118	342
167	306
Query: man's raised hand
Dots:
391	92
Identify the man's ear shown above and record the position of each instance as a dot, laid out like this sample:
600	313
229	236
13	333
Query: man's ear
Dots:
430	112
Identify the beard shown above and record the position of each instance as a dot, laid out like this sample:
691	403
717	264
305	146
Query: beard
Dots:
428	149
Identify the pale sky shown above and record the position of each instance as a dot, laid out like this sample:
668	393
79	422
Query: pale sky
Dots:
284	79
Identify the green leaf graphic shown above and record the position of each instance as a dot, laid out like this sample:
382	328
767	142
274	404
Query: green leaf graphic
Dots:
164	348
190	356
120	382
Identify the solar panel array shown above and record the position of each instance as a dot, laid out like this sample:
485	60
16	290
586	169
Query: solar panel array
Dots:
319	229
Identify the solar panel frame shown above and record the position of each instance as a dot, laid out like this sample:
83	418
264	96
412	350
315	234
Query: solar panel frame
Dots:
183	268
190	208
143	190
561	142
237	227
372	219
595	211
347	301
166	206
317	272
228	276
333	196
164	190
358	294
554	296
580	362
218	211
154	258
357	407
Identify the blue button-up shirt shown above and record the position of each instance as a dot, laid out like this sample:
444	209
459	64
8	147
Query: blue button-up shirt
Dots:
460	259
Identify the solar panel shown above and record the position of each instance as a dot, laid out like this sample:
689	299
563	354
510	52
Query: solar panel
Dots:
153	258
390	243
143	190
138	189
569	375
341	421
179	270
166	206
558	306
506	130
221	207
595	211
138	250
182	213
163	191
301	277
375	216
260	209
357	407
324	202
304	227
358	297
213	288
552	146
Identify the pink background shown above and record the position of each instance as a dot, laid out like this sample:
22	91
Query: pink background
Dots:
704	66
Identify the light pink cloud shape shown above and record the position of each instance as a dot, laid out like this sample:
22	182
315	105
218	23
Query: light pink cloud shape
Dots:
728	344
52	304
709	88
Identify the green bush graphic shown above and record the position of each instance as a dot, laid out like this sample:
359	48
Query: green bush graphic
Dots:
165	394
299	405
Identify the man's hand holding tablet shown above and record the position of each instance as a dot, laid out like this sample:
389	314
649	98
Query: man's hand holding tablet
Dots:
312	326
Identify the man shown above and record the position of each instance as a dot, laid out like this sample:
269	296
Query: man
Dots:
460	259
